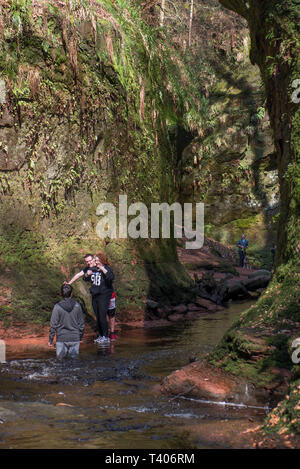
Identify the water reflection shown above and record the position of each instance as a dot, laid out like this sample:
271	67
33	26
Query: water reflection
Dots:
108	397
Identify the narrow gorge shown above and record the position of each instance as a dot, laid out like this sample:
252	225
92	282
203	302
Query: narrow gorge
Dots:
162	102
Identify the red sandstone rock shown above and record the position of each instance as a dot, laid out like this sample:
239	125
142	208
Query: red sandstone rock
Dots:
201	380
164	311
176	317
191	315
207	304
192	307
180	309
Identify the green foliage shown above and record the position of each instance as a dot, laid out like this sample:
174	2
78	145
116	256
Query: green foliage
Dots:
264	331
95	95
20	244
127	54
31	273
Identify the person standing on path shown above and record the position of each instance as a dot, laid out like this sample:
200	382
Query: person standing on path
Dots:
67	324
242	244
273	252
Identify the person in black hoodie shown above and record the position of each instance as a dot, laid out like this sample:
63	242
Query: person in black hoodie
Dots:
102	297
67	324
100	275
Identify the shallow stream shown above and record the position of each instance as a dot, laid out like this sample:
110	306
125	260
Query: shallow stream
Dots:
109	397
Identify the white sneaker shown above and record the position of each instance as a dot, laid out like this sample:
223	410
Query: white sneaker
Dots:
102	340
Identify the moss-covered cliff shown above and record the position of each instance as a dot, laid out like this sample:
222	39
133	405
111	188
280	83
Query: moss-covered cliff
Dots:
87	89
274	321
274	32
227	160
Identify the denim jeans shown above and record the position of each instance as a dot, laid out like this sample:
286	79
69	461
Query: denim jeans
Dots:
64	348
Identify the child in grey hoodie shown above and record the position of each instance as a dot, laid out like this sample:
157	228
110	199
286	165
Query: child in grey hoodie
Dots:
67	323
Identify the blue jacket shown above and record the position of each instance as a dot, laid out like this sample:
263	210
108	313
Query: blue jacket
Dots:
242	244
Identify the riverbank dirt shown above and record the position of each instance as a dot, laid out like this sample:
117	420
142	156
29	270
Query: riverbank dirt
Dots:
206	259
240	434
21	337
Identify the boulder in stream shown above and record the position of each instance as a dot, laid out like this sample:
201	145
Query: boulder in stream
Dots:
151	304
259	273
237	290
175	317
179	309
257	282
203	381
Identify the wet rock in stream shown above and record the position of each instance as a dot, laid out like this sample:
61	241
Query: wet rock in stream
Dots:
203	381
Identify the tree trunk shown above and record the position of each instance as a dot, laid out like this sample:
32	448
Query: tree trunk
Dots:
162	13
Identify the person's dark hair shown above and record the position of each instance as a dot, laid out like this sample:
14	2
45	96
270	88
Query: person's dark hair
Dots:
66	290
88	255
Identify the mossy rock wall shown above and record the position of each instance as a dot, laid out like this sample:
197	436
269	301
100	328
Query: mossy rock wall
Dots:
274	32
231	165
81	122
274	321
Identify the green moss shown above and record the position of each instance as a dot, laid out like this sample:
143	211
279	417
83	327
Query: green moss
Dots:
244	224
259	340
74	90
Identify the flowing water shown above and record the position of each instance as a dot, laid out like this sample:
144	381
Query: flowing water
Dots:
109	397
